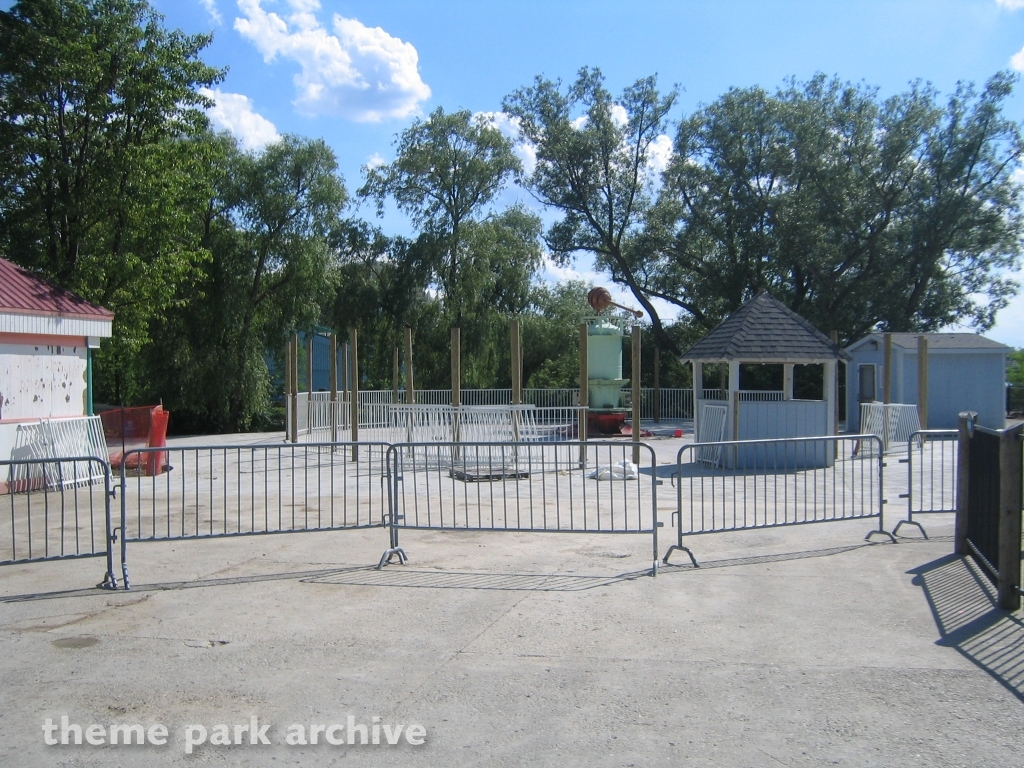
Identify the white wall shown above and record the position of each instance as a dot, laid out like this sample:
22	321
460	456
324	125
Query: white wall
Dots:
39	382
958	380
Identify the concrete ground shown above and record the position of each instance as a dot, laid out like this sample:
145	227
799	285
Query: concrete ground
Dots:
790	646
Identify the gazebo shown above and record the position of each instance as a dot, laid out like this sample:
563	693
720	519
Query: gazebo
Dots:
763	332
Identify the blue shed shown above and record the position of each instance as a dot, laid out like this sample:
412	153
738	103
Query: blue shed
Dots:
966	372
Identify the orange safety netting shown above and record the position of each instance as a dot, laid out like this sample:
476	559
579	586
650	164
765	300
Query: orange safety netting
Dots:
126	429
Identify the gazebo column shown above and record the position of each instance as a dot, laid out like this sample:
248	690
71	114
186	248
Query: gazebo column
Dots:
829	386
734	397
787	381
698	393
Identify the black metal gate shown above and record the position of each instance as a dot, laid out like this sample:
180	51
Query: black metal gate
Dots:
989	502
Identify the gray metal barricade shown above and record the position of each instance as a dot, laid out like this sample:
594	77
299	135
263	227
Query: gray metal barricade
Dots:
216	491
557	487
57	510
931	475
770	483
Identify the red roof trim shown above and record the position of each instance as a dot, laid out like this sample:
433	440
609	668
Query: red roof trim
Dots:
24	293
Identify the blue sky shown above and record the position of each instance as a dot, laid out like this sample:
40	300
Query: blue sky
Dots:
355	73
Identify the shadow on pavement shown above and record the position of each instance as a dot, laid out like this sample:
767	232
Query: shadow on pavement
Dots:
175	585
963	604
539	582
776	557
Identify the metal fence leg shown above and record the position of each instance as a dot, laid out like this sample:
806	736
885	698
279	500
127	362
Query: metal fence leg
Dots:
881	498
681	548
394	549
679	540
109	580
124	533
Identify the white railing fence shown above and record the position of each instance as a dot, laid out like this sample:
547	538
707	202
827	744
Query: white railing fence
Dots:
320	420
894	423
54	439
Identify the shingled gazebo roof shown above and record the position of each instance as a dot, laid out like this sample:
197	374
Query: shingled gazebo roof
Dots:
765	331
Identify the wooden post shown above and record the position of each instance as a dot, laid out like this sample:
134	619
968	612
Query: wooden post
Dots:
963	458
787	381
635	376
346	372
333	361
353	343
517	364
410	386
698	395
456	358
1010	498
734	396
735	414
834	336
309	365
829	387
887	369
584	392
294	373
289	412
456	391
394	378
657	385
922	380
886	388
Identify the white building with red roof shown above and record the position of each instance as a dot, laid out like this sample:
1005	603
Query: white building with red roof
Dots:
47	335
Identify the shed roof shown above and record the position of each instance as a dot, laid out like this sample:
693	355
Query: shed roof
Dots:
23	293
937	341
765	330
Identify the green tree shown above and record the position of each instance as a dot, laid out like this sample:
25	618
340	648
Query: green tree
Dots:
857	212
593	166
447	171
99	176
478	262
550	333
268	229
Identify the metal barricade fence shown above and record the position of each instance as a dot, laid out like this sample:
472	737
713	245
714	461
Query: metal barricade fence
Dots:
989	523
563	487
984	475
931	475
217	491
770	483
49	520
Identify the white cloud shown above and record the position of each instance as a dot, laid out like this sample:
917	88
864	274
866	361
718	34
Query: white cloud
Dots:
620	295
233	112
509	126
1017	60
376	160
360	72
1013	5
211	8
659	154
619	115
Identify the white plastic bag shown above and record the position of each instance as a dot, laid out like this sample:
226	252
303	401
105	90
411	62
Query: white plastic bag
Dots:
624	470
